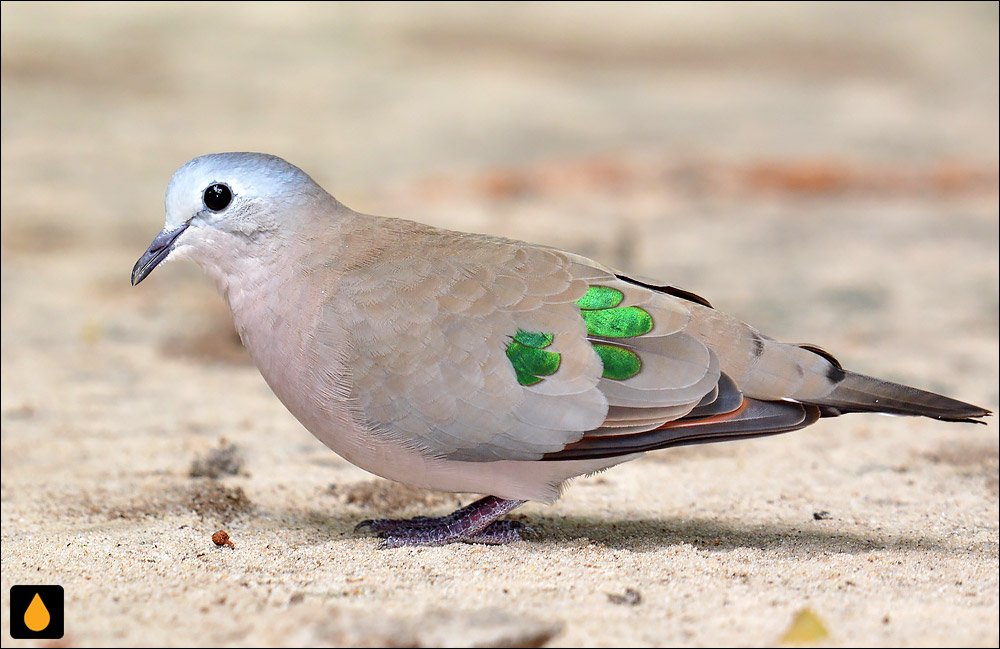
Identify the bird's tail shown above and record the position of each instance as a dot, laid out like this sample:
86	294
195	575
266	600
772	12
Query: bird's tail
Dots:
860	393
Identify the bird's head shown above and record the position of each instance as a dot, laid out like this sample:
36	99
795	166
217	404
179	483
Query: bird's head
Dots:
217	202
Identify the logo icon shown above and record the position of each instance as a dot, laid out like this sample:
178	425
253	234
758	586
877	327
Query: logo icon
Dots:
36	612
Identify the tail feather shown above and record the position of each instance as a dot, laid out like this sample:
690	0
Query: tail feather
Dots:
860	393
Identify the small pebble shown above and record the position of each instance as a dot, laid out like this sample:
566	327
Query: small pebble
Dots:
221	538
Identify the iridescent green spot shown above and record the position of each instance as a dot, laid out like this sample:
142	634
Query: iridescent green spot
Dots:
527	379
621	322
533	338
600	297
619	363
529	361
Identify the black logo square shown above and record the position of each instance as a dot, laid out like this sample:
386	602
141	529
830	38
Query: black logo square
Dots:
36	612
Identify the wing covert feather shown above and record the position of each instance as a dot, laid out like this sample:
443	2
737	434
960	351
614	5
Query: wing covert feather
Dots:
429	323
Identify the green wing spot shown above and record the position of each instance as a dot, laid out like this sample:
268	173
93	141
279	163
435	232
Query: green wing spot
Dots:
531	360
527	379
533	339
531	363
621	322
619	363
600	297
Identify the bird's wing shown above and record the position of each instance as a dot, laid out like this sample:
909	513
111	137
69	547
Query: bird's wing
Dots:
433	358
481	349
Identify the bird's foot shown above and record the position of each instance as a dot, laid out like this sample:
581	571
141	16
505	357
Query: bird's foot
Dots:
475	523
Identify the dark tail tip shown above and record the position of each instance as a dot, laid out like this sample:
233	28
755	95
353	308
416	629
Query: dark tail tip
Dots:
860	393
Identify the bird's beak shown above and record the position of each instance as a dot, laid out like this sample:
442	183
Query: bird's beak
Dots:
157	252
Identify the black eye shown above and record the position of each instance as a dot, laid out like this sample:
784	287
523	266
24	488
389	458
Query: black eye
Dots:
217	197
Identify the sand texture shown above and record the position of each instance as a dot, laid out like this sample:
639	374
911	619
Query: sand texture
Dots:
827	173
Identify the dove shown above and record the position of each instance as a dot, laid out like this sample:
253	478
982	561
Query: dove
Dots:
472	363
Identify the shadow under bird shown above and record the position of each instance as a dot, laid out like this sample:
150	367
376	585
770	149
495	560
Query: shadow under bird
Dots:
470	363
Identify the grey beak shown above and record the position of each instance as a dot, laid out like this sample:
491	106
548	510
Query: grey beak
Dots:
157	252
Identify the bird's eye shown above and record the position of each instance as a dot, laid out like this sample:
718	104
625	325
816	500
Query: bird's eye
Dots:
217	197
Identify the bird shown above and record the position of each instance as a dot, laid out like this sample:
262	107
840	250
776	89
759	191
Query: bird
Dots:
472	363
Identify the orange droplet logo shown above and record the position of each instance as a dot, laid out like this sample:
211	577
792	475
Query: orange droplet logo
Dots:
37	616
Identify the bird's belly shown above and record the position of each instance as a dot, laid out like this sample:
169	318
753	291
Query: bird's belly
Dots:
517	480
326	415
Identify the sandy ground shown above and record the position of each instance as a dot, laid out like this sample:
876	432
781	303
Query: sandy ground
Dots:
827	173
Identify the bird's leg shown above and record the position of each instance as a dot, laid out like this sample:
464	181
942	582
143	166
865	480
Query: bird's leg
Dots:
500	533
475	523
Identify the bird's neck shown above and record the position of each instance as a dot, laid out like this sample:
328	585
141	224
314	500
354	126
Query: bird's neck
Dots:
239	267
279	296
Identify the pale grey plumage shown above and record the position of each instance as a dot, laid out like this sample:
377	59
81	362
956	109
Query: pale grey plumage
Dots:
389	339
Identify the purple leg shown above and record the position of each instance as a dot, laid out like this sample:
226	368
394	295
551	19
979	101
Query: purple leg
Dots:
500	533
475	523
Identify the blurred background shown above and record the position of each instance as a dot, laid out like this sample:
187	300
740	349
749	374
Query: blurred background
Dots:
825	171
